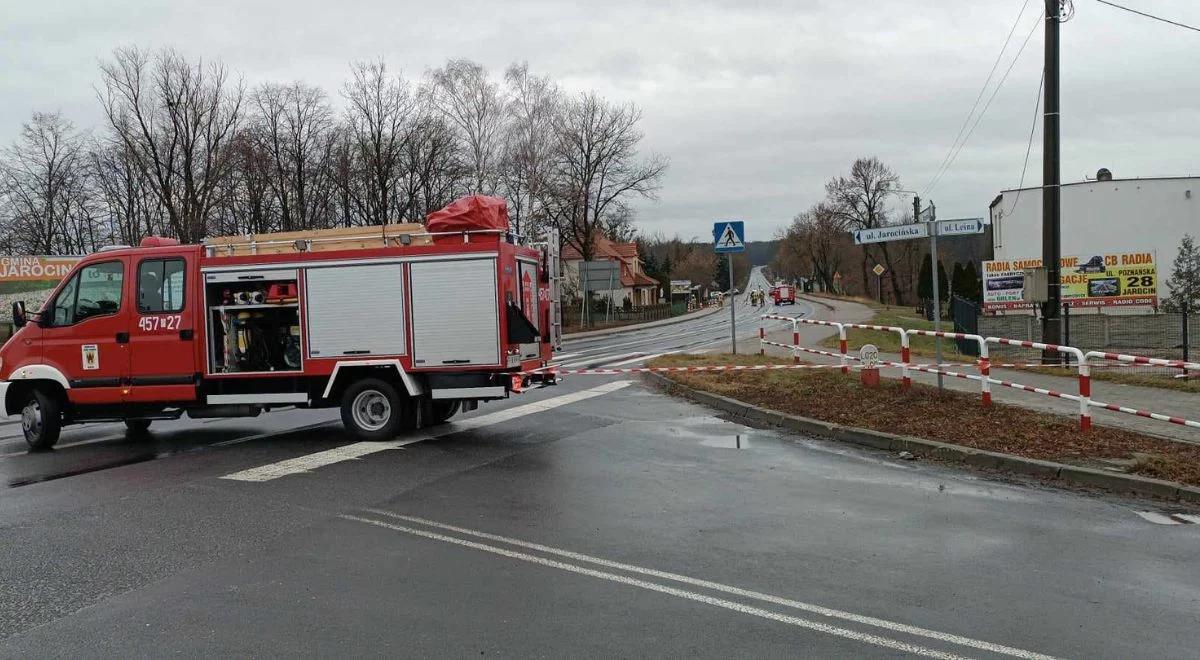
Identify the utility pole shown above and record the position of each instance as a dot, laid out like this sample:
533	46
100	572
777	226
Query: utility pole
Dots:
937	294
1051	200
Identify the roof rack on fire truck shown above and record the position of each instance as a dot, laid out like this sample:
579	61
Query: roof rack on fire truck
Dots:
341	238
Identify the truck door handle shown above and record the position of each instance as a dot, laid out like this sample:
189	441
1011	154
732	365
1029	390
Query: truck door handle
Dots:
122	337
186	335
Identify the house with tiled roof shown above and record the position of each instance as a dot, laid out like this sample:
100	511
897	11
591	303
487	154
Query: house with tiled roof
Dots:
634	284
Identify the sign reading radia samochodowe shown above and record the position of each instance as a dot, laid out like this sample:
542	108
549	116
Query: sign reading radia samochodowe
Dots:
35	269
1099	280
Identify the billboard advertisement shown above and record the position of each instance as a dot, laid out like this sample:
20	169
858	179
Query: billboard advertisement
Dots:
30	279
1098	280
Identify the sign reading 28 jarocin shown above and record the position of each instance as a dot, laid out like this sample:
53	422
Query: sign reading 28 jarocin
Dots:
1099	280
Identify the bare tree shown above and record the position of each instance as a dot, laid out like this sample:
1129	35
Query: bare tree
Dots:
379	117
528	152
813	245
176	119
596	168
126	193
43	178
434	172
293	123
859	200
474	106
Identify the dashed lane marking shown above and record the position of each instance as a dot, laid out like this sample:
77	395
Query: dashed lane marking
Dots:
354	451
1169	518
866	638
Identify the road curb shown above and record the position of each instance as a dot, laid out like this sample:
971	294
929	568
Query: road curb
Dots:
642	326
1123	484
818	301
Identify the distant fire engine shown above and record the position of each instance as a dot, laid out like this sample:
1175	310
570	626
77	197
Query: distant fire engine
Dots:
783	294
401	326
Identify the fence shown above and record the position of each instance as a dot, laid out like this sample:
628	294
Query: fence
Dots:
618	315
1082	363
1157	335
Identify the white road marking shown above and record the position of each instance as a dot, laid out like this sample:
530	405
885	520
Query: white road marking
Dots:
563	356
310	462
1195	520
597	360
643	358
672	591
735	591
1158	518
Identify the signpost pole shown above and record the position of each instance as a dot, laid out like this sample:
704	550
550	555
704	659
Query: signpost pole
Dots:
729	237
732	310
937	295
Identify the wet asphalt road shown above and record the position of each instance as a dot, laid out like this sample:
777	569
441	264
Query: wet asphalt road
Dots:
596	518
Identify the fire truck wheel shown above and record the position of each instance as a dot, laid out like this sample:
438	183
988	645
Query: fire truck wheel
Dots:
372	410
137	426
444	410
41	420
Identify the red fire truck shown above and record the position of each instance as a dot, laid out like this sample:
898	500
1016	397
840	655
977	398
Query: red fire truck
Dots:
783	294
401	326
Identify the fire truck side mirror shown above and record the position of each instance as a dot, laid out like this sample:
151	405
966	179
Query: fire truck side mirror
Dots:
18	314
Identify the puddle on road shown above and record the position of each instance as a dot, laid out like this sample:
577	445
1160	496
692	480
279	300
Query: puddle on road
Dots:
37	479
712	432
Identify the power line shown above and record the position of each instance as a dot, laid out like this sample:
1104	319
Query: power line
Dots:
937	179
1029	147
982	91
1151	16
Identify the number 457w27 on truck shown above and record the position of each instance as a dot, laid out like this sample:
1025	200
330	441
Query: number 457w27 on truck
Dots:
400	326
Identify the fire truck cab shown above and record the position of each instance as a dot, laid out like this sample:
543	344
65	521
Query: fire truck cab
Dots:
400	328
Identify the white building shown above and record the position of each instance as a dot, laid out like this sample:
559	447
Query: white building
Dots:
1103	216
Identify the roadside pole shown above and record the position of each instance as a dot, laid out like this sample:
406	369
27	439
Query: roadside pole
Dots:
937	295
729	236
732	306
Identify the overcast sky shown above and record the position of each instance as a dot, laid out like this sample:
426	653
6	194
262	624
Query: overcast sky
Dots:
755	103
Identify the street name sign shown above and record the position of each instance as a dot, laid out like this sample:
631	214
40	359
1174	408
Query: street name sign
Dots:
729	236
960	227
892	233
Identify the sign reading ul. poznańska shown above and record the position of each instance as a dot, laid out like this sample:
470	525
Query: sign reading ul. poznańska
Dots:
1124	279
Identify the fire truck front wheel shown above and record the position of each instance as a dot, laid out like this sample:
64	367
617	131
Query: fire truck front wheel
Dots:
372	409
41	419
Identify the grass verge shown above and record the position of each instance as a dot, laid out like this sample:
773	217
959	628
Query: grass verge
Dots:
889	342
946	416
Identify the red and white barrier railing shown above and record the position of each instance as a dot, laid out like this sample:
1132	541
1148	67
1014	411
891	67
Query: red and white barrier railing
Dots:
984	377
1082	363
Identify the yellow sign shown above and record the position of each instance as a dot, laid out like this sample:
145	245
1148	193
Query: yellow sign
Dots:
1125	279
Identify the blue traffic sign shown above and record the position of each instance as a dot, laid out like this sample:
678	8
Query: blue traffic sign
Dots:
729	236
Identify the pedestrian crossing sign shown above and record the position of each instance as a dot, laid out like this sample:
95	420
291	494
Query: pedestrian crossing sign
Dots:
729	236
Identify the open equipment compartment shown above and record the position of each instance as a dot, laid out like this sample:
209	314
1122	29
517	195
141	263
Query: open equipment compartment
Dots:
253	319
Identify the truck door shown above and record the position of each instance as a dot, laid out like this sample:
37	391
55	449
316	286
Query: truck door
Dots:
85	334
162	331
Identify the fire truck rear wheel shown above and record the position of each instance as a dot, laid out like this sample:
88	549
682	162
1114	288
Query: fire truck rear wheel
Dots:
41	419
372	409
444	410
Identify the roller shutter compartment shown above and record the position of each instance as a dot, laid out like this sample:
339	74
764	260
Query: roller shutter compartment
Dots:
355	310
454	313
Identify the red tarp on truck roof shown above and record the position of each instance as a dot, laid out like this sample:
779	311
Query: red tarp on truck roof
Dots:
469	214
